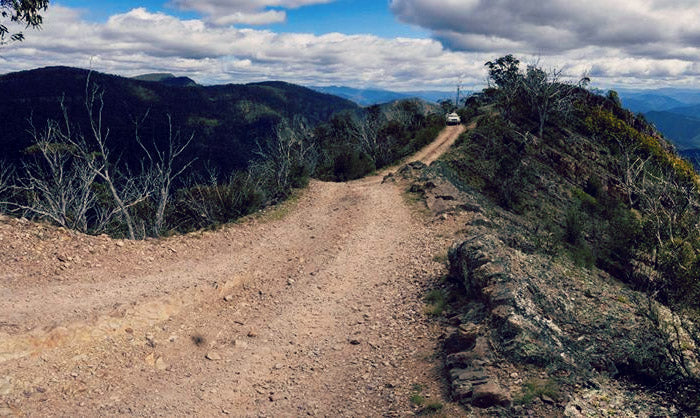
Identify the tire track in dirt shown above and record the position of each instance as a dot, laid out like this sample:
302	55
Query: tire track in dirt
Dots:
441	144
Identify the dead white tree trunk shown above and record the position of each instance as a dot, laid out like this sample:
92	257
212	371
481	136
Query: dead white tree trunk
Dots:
57	183
667	201
632	169
364	131
7	183
290	145
162	170
546	94
133	191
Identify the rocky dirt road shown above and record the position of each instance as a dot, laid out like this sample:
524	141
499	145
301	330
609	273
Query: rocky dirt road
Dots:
314	308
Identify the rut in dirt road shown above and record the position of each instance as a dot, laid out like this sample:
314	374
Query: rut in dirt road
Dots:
318	312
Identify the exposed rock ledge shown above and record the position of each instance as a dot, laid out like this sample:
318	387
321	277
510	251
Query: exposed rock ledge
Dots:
576	326
536	319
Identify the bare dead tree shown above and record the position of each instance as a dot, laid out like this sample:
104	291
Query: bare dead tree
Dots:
7	174
290	145
546	94
403	112
58	185
212	174
675	197
131	190
631	169
364	131
667	200
162	170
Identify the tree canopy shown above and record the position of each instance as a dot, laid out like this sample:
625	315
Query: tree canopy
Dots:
505	71
22	12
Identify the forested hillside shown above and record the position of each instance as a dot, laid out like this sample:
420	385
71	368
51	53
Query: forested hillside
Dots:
226	120
101	153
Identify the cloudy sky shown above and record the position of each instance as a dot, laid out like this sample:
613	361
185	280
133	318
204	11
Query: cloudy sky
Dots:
395	44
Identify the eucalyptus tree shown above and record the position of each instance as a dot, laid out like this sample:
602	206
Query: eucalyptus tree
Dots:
20	12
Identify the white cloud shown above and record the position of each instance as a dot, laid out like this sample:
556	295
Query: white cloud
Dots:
262	18
140	41
625	41
249	12
650	28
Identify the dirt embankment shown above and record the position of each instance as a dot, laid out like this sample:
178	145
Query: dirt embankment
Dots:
314	308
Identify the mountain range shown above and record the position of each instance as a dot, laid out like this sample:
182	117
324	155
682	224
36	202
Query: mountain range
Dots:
227	120
368	97
235	116
674	112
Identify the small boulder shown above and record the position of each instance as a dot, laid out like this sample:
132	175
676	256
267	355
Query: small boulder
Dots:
490	394
161	364
460	340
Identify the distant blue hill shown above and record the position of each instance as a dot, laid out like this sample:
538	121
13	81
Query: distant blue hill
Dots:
682	130
680	124
689	96
675	113
648	102
368	97
658	99
692	111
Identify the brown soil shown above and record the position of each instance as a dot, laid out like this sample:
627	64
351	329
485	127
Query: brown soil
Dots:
441	144
312	308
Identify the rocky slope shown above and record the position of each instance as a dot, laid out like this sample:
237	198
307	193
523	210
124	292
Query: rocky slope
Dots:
536	334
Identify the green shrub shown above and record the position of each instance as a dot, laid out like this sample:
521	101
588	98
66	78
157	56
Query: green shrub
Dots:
573	227
621	239
417	399
352	165
536	388
587	201
432	408
583	255
204	206
437	301
594	187
300	175
491	159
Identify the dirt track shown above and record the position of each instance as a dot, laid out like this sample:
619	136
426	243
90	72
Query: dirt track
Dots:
313	309
441	144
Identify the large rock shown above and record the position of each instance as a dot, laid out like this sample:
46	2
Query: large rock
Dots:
473	377
519	320
478	387
544	313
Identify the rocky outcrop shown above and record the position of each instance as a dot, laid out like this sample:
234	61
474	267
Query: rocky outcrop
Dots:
471	367
518	311
439	193
538	335
528	310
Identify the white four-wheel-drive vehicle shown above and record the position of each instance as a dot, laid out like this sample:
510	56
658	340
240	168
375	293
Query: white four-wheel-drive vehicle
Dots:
453	119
